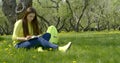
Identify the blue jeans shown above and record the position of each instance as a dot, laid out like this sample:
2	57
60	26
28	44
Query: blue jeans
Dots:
36	42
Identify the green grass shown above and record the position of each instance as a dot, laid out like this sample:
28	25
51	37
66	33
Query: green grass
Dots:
87	47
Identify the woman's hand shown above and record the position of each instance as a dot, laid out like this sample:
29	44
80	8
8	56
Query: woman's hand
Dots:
24	38
28	37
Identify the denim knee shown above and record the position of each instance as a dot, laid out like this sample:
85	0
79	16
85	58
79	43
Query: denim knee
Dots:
46	36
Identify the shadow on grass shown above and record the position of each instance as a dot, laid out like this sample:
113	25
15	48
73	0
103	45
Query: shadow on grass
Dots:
1	38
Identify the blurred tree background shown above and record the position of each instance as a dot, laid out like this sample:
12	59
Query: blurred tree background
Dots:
66	15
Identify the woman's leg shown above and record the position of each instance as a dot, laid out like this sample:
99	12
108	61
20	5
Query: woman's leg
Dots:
46	36
36	42
44	43
27	44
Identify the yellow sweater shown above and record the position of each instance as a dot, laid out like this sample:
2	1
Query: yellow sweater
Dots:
18	31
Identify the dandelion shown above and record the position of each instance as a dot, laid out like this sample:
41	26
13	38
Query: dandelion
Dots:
6	49
4	41
11	54
34	56
74	62
50	49
9	45
4	62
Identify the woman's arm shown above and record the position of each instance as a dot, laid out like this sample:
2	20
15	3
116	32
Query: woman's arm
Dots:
21	38
24	38
17	35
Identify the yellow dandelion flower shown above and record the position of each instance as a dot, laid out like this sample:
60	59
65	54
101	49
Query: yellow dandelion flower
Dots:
4	62
9	45
50	49
6	49
74	62
34	56
4	41
11	54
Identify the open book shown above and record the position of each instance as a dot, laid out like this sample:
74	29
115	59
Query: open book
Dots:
34	37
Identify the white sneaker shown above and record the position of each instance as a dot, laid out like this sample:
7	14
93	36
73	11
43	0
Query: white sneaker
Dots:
40	49
65	48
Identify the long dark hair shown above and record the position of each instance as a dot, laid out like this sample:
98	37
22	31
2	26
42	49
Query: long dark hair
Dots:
34	22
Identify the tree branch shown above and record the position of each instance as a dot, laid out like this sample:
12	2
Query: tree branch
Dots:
83	10
44	19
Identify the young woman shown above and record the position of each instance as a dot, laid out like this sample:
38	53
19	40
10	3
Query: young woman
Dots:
26	28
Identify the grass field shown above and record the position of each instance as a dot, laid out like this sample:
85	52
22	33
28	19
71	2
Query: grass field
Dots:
87	47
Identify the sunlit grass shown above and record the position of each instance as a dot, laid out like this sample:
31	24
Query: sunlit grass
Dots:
87	47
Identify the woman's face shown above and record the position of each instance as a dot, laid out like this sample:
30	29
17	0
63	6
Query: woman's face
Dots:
30	17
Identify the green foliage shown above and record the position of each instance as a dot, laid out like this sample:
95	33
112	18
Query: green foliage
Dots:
63	11
87	47
103	12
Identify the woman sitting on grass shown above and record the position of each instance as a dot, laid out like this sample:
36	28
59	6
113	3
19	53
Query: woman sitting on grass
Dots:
26	28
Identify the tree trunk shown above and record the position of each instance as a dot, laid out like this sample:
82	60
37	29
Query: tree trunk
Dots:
21	7
10	10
